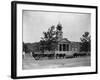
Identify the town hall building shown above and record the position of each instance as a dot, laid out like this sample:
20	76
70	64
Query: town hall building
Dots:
64	45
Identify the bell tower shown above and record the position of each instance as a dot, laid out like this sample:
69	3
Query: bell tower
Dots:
59	31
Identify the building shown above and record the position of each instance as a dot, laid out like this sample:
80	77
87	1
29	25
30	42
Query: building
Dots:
64	45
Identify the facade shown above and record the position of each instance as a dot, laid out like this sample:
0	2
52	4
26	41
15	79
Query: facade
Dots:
64	45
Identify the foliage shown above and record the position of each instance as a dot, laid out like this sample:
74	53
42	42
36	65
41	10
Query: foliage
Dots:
85	42
25	48
49	39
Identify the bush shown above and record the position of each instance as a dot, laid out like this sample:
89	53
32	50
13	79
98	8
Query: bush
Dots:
80	54
71	56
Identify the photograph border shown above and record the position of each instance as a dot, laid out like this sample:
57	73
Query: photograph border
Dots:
14	38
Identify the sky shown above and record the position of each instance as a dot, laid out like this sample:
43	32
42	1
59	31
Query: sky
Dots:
36	22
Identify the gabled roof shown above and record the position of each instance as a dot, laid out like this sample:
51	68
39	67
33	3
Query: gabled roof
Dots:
64	40
73	42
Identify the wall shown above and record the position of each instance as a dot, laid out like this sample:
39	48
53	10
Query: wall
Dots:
5	40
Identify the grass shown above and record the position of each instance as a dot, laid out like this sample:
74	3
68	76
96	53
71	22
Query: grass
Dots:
30	63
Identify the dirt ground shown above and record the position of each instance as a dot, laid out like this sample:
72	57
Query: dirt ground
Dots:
30	63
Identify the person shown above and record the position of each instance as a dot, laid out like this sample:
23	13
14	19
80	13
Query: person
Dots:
23	55
31	53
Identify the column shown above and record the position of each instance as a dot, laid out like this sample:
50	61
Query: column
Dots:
58	48
69	47
61	47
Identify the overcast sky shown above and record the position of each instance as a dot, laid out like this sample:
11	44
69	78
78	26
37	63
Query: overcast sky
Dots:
35	22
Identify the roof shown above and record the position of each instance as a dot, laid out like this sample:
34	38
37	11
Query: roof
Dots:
64	40
73	42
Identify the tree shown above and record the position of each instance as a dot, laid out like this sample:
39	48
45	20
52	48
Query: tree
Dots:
25	48
49	39
85	42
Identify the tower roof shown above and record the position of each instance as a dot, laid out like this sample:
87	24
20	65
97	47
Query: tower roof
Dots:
59	26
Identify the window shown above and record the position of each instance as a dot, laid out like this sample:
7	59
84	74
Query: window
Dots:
64	47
